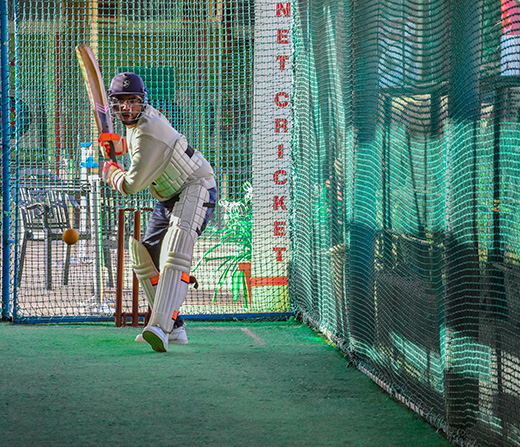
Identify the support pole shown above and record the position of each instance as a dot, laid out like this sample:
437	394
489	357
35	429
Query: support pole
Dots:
6	156
120	266
96	229
135	282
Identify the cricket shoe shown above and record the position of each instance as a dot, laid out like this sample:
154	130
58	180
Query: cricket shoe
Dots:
176	337
156	338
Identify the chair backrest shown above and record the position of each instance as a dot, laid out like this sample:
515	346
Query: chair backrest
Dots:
44	202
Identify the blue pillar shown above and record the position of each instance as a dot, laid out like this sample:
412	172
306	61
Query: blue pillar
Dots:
6	208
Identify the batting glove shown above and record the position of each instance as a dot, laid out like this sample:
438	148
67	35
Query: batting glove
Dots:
113	175
120	146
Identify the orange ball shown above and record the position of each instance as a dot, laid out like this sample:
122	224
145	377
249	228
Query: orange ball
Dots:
70	236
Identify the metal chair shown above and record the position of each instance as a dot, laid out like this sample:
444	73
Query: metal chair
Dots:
45	206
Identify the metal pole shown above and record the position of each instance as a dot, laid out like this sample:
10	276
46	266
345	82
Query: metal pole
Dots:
6	156
98	300
120	266
135	282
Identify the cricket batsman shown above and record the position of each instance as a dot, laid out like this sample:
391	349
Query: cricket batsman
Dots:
182	181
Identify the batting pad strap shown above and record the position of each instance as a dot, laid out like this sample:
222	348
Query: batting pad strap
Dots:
155	280
190	151
190	279
185	277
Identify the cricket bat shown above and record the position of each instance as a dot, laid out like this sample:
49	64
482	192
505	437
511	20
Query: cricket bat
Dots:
96	92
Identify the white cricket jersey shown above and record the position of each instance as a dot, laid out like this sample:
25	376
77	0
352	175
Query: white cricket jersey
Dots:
162	159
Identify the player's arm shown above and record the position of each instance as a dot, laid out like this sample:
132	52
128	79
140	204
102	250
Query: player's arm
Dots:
149	160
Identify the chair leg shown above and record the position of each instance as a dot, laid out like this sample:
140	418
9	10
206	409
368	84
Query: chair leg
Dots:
108	264
66	265
22	259
48	259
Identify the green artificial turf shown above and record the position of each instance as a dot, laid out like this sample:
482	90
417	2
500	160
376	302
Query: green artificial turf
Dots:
234	384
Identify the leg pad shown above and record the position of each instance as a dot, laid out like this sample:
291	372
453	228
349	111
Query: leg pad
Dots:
144	269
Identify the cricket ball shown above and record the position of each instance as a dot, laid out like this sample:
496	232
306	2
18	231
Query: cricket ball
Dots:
70	236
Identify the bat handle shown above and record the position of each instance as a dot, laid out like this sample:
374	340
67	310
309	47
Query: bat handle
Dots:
112	151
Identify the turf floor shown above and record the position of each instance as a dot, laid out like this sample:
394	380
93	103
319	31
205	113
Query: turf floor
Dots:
234	384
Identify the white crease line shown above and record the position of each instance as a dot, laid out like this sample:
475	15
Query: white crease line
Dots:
255	337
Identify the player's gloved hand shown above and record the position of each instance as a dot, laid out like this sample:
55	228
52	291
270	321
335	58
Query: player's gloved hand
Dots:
113	174
120	146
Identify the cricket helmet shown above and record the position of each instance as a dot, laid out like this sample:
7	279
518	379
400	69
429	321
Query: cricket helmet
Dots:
127	83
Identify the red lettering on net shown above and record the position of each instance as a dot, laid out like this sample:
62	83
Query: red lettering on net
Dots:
283	36
276	177
280	125
279	251
279	102
280	9
280	151
283	60
278	202
279	228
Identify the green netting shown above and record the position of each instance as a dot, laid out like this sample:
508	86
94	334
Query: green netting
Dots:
196	58
367	162
405	201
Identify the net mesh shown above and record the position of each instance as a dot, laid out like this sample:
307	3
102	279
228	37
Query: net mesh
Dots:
196	59
391	223
404	246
